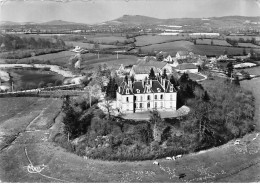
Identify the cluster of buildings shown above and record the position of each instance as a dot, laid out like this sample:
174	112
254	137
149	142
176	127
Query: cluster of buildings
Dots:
144	94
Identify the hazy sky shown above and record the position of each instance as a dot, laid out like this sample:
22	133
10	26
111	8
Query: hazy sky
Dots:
96	11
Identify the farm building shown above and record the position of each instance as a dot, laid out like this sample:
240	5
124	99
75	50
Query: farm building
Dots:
140	96
183	54
186	67
142	69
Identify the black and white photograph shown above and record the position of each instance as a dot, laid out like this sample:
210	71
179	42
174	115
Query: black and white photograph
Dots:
129	91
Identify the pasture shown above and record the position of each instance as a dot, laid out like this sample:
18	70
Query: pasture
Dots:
60	58
215	42
12	106
105	39
87	45
248	45
154	39
171	47
110	60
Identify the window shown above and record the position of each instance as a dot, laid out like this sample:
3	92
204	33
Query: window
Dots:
148	97
158	90
127	99
141	105
127	91
137	91
161	104
171	89
155	105
127	107
161	96
148	105
170	96
170	104
155	97
141	98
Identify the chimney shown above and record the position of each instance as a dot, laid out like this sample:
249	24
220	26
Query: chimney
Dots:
164	83
151	82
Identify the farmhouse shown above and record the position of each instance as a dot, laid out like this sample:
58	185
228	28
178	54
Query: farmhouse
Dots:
140	96
142	69
186	67
183	54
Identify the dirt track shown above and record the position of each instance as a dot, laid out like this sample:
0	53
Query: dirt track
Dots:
228	163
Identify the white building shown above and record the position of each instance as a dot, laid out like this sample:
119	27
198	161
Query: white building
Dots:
142	69
186	68
141	96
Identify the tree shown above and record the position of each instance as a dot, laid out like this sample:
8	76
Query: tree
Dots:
96	46
164	75
108	106
236	80
230	69
70	119
225	52
206	97
212	43
159	57
158	128
152	74
139	50
244	52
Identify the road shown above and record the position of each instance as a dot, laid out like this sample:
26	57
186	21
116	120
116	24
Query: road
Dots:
227	163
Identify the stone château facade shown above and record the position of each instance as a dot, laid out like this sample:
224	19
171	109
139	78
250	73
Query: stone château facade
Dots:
139	96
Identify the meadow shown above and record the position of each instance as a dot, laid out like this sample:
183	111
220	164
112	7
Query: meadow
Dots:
87	45
215	42
12	106
248	45
173	47
153	39
105	39
60	58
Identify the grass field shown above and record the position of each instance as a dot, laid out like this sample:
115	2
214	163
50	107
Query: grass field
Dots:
9	107
60	58
87	45
244	37
248	45
174	47
215	42
111	61
150	39
105	39
195	77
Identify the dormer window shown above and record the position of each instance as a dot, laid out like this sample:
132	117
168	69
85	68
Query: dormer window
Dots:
127	91
171	89
158	90
137	91
148	89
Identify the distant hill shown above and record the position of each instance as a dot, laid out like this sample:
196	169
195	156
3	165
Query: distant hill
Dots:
214	21
145	20
136	20
59	22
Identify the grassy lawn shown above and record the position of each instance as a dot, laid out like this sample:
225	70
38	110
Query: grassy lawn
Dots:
195	77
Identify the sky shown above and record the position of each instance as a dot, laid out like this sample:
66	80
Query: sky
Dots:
97	11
